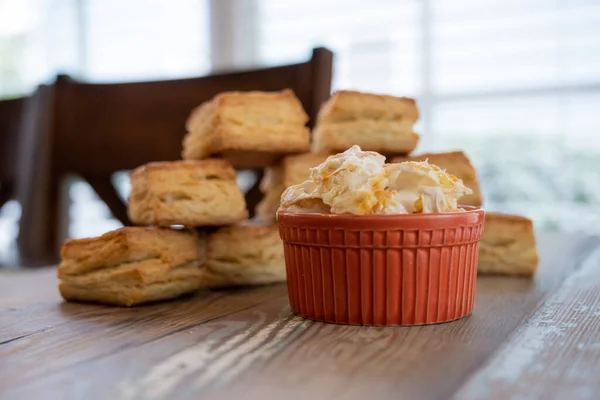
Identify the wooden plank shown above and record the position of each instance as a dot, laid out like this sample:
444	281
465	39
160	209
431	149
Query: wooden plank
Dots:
556	353
24	302
264	352
20	288
426	362
189	359
72	334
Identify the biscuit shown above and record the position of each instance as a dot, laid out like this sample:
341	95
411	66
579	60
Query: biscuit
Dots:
508	246
272	187
249	253
458	164
132	265
189	193
374	122
293	170
251	129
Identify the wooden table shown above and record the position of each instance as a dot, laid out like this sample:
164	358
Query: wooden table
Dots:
526	339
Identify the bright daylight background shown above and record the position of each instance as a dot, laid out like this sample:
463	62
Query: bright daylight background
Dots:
514	83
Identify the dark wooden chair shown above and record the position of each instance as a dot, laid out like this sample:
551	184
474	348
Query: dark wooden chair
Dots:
10	121
95	130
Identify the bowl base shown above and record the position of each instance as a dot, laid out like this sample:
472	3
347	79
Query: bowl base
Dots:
382	325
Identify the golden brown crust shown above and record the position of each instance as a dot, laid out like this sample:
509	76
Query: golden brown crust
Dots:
272	122
119	295
458	164
508	246
188	193
386	137
127	244
292	109
249	253
348	105
132	265
212	168
374	122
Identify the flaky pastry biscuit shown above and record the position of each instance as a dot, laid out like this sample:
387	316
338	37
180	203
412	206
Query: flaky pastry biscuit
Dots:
508	246
235	124
189	193
249	253
132	265
272	187
293	170
459	165
374	122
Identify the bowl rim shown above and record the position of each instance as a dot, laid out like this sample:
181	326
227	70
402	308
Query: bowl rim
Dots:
470	217
469	210
293	224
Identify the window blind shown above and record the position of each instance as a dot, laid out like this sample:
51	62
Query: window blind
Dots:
515	84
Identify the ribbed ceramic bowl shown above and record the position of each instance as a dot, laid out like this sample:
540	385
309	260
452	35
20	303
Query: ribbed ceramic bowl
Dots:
409	269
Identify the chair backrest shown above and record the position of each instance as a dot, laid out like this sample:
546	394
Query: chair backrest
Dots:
10	121
103	128
94	130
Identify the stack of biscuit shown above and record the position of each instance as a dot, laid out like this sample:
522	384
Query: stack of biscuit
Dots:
192	222
375	122
385	124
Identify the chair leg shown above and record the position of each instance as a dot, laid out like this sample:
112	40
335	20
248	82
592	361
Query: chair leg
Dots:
37	186
254	195
109	195
39	225
7	190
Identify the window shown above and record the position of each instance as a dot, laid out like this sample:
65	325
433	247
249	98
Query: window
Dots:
375	42
99	41
145	39
132	41
515	84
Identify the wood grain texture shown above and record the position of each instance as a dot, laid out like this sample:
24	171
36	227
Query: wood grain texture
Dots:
556	352
246	343
78	333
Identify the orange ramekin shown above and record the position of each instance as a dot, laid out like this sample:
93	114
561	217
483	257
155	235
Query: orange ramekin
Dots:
406	269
